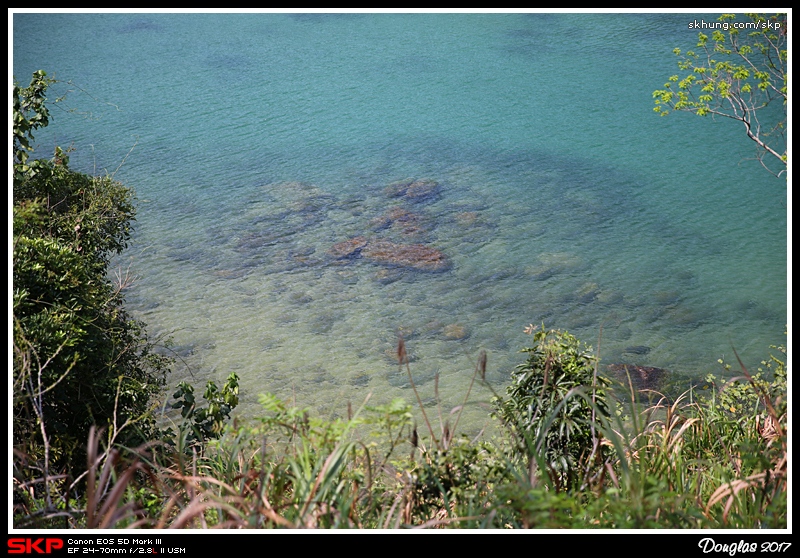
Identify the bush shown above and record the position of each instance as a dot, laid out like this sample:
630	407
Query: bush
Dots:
79	358
555	403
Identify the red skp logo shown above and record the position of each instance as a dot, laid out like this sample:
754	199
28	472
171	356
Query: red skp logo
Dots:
29	546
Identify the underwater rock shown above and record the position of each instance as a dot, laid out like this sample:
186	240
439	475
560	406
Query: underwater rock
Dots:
348	248
494	274
543	275
554	263
667	298
413	190
353	205
401	220
466	218
431	328
642	377
610	298
587	293
397	189
471	221
273	229
414	256
360	379
422	190
300	298
679	316
685	317
637	350
455	332
386	276
318	203
322	324
296	258
347	277
390	354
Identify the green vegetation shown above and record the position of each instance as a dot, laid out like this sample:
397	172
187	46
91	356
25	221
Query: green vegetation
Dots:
555	403
79	359
696	463
89	453
738	77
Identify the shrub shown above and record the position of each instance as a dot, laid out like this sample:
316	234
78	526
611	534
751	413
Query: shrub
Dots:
79	358
554	404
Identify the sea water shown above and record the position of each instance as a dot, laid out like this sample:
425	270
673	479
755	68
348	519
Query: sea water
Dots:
256	142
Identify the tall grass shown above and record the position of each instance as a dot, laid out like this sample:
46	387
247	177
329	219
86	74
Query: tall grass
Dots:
686	462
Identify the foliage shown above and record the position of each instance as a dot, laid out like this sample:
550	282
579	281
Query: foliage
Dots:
201	424
555	402
29	113
737	398
749	421
738	77
79	358
286	468
457	485
689	465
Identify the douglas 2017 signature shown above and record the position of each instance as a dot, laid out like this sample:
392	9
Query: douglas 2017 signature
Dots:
708	545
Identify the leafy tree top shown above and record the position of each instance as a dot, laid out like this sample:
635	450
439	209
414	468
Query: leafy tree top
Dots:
737	75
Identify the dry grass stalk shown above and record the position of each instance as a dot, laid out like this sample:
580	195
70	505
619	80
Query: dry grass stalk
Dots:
733	488
402	356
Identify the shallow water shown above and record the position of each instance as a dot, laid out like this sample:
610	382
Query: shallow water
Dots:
261	140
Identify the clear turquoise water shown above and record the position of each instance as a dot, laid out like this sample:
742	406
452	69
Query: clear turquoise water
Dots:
563	199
